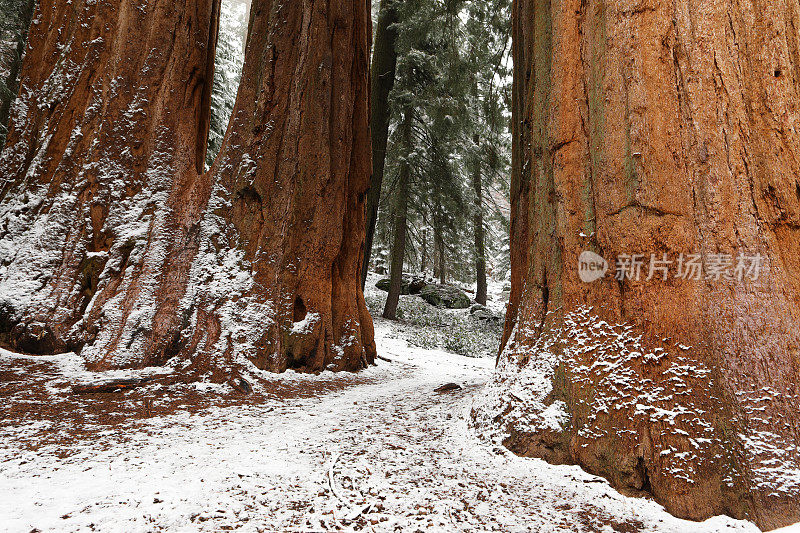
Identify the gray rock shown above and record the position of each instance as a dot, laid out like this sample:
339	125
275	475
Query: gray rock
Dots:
476	307
415	285
484	315
445	296
410	285
385	283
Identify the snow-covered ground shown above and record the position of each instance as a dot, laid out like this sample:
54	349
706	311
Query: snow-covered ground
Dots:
453	330
376	451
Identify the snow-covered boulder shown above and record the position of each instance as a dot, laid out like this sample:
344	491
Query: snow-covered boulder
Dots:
445	296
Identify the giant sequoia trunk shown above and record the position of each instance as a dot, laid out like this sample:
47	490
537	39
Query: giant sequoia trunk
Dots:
110	114
145	258
658	128
277	277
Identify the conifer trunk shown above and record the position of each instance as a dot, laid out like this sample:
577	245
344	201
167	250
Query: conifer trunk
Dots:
270	269
650	129
400	223
480	237
424	253
439	267
521	48
384	63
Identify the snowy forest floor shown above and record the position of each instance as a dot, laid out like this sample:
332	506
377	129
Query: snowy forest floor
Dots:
373	451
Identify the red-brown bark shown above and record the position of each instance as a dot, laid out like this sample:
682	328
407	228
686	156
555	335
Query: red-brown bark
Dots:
520	158
256	260
651	128
288	198
109	117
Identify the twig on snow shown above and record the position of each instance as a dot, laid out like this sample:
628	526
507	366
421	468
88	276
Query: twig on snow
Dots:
354	513
358	512
332	482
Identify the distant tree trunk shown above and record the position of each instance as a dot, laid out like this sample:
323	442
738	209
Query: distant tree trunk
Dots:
257	260
384	63
14	66
680	141
439	266
480	237
400	223
424	262
435	257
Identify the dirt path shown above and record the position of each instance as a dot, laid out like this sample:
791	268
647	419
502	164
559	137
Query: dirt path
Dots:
400	456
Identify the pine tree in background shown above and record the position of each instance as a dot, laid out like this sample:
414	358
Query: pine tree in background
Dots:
227	71
15	20
488	44
416	74
384	65
400	214
452	70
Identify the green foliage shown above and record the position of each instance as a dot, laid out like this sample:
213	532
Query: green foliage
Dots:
431	328
15	20
453	78
227	71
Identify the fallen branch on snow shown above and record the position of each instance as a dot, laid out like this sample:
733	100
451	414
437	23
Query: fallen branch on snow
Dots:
354	513
110	385
332	482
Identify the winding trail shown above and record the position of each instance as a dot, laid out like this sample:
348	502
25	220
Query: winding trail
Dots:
379	451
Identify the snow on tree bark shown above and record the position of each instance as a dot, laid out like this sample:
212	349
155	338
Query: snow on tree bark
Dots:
132	256
106	121
277	277
652	128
